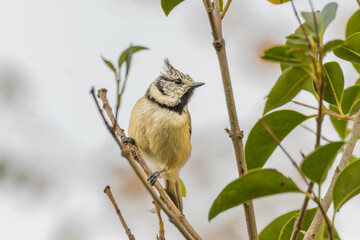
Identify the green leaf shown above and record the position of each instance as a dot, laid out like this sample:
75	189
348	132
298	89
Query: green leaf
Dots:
357	67
183	189
286	231
340	125
350	102
357	83
321	232
126	55
285	54
329	13
169	5
110	65
278	1
309	18
353	25
332	45
316	165
310	87
253	184
334	83
260	145
221	3
290	82
350	51
347	184
273	230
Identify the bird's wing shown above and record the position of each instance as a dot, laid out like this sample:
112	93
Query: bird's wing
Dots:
189	120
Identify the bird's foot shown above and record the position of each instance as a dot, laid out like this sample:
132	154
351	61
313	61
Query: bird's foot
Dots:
128	140
154	176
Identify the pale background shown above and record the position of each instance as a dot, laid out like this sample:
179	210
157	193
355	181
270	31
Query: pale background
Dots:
56	156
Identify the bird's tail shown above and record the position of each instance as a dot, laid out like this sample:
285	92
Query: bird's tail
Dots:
173	189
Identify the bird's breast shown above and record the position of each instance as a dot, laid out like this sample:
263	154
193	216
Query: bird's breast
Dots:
162	135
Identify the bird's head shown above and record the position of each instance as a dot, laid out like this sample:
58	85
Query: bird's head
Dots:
172	88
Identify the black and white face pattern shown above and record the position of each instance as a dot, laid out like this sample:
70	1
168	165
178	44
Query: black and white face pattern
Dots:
172	89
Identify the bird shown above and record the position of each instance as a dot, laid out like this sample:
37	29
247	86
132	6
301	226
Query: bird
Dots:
160	126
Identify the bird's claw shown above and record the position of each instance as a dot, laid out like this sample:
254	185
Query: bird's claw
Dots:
153	177
128	140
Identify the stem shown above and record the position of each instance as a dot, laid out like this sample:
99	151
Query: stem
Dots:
122	220
226	8
325	111
301	26
344	161
267	128
312	131
161	223
298	222
235	133
320	82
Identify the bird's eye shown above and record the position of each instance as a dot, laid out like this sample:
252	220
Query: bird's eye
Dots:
178	81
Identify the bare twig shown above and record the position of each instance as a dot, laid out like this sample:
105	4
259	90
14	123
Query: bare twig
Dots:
133	153
161	224
312	131
325	111
235	133
122	220
358	1
226	8
174	214
344	161
303	104
268	129
301	26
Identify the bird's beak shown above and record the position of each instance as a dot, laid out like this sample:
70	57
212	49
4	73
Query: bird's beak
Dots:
197	84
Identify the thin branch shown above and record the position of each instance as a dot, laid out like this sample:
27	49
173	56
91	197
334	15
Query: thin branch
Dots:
312	131
344	161
325	111
161	223
226	8
320	83
170	209
358	1
268	129
327	220
235	132
135	154
301	26
298	222
122	220
337	115
303	104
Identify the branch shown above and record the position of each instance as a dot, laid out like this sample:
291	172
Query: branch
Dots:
226	8
349	148
267	128
325	111
235	133
312	131
122	220
161	224
131	153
